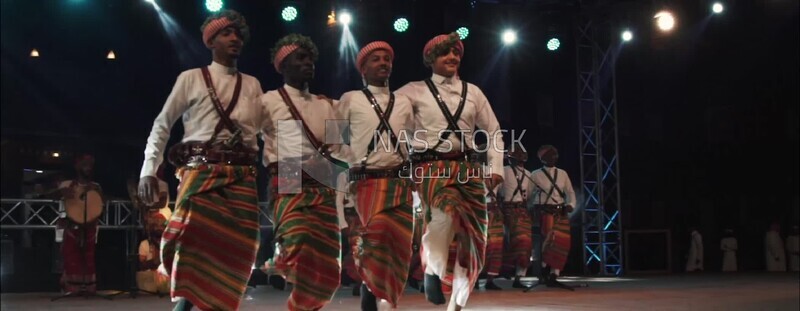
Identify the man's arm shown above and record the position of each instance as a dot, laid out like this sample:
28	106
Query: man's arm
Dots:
570	199
486	120
174	107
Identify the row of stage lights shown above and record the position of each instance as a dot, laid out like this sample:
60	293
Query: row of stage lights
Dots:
664	20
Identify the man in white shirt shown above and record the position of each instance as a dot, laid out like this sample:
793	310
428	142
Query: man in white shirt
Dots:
694	261
774	253
382	191
217	201
793	248
729	246
553	199
446	111
80	233
517	186
300	146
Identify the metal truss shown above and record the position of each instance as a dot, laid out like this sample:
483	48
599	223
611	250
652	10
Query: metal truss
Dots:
43	214
599	161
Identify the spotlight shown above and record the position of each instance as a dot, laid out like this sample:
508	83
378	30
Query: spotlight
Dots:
665	21
39	171
717	8
56	154
627	35
401	24
345	18
213	5
111	55
553	44
150	1
34	53
289	13
463	32
509	37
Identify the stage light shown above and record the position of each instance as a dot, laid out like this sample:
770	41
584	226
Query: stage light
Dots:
289	13
463	32
509	37
627	35
111	55
665	20
213	5
34	53
345	18
717	8
150	1
401	24
39	171
56	154
553	44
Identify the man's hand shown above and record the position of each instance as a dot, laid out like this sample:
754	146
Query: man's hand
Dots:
148	189
491	183
569	208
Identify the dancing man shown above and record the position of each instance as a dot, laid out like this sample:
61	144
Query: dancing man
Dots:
211	240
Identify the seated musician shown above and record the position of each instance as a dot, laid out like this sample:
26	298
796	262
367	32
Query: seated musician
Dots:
80	229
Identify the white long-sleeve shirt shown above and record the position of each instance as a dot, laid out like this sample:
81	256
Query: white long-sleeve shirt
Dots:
357	108
774	253
512	175
189	99
477	113
542	187
282	140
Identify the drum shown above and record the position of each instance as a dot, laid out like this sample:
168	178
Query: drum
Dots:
91	202
152	281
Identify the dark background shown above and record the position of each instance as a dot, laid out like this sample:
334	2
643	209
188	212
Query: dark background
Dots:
708	119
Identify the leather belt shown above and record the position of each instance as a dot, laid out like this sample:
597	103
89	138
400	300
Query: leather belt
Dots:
515	205
358	173
551	208
432	155
198	153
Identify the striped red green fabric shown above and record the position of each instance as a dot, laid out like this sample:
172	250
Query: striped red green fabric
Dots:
309	246
494	241
352	234
520	241
384	252
210	243
555	248
465	201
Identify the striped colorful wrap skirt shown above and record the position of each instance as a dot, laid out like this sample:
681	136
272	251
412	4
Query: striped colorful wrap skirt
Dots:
556	239
210	243
465	202
494	241
384	251
352	235
308	245
520	238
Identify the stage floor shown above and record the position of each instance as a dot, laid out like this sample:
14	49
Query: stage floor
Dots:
749	291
